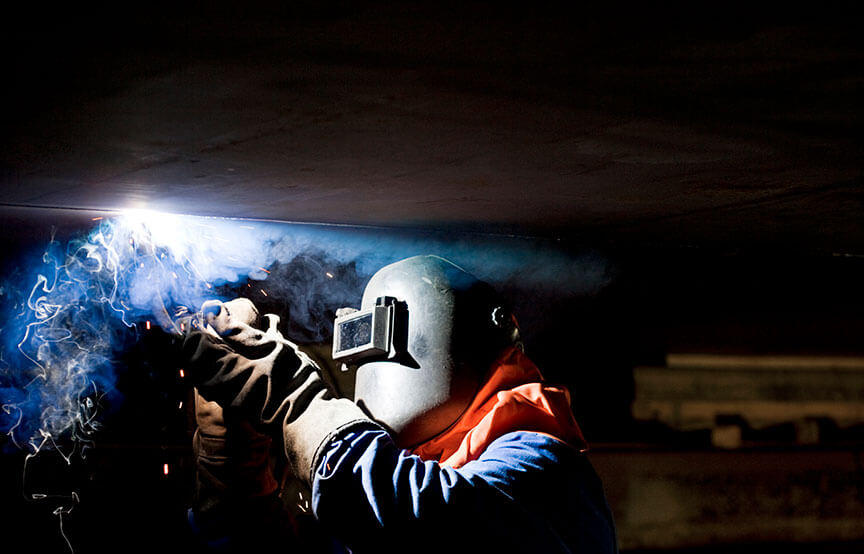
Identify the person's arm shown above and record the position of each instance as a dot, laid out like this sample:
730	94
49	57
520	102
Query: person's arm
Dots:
527	493
249	383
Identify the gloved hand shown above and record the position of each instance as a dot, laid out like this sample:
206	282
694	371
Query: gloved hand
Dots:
234	484
266	379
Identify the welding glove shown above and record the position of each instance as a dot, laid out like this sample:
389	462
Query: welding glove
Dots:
242	362
234	484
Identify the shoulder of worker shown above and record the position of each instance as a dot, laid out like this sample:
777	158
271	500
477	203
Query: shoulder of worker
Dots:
552	479
540	484
526	452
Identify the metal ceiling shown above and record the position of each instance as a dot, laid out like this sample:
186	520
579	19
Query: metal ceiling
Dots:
736	127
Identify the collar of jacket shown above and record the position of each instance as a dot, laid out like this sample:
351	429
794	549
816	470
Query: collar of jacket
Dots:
513	398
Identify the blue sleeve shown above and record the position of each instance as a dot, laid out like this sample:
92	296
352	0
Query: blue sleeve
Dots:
527	492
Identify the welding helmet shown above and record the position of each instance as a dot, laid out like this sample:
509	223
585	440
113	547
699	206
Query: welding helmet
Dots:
426	334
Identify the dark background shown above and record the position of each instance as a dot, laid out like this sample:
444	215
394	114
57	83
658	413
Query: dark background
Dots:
710	156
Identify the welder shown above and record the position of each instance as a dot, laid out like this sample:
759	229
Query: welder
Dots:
453	441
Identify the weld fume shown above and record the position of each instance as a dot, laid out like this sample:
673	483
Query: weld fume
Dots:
88	300
89	297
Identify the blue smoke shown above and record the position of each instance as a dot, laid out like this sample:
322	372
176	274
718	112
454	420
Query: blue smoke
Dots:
89	298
